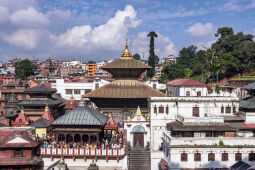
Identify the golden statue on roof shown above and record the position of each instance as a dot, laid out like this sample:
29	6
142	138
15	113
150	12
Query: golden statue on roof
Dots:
126	54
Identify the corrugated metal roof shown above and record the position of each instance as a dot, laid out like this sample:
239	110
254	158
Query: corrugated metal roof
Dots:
249	86
81	115
125	89
248	102
41	123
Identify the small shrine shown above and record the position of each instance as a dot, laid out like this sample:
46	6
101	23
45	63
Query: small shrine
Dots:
42	125
138	129
82	124
11	108
110	128
71	104
21	120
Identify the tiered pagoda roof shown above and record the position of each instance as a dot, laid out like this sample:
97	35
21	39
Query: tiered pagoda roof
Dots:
41	89
126	71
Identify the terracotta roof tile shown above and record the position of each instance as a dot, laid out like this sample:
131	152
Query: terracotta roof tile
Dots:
186	82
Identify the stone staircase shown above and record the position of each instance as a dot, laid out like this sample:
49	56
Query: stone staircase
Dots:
139	159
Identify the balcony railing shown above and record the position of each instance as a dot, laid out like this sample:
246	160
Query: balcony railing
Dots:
207	141
102	153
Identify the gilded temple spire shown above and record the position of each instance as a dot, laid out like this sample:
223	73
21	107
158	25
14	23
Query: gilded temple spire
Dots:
126	54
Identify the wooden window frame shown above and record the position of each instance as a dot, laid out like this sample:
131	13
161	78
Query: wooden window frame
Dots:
184	157
224	157
187	92
228	110
155	109
211	156
161	109
238	157
197	157
167	109
222	109
193	110
18	153
69	90
252	157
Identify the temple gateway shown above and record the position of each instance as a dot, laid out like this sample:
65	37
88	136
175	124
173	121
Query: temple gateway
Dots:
122	96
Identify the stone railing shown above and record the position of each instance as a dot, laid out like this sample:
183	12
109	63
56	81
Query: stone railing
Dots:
100	153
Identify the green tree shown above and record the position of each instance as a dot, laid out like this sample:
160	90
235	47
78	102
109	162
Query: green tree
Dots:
91	62
174	71
153	59
136	56
24	69
240	46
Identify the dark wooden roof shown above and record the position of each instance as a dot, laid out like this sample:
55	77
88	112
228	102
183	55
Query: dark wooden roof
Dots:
177	126
41	123
125	89
32	102
40	89
81	115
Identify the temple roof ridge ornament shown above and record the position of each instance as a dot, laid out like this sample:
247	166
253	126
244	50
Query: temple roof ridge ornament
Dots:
138	111
126	54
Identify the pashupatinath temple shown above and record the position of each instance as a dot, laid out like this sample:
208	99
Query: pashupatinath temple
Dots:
122	96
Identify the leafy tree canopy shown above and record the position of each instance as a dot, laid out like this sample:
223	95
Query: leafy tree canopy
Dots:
136	56
24	69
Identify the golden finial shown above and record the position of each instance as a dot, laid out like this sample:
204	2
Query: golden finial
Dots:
22	109
46	107
126	54
129	119
138	111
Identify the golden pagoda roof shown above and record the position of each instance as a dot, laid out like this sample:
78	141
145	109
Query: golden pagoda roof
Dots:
126	61
125	89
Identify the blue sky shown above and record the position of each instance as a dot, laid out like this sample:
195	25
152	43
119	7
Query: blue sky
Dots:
96	29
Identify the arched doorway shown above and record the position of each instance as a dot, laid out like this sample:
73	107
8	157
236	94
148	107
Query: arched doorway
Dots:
93	138
69	138
77	138
85	138
61	137
138	136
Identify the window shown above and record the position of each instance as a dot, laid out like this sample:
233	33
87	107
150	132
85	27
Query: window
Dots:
197	157
224	157
228	109
251	156
76	91
198	93
155	109
87	91
234	109
161	109
69	91
96	85
238	156
211	156
155	86
222	109
167	109
18	153
187	93
196	111
184	157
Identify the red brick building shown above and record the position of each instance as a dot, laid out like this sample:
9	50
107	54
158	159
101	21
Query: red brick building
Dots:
18	150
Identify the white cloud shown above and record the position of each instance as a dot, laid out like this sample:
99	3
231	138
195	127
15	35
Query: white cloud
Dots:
254	31
4	15
28	39
201	30
237	6
29	18
108	36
